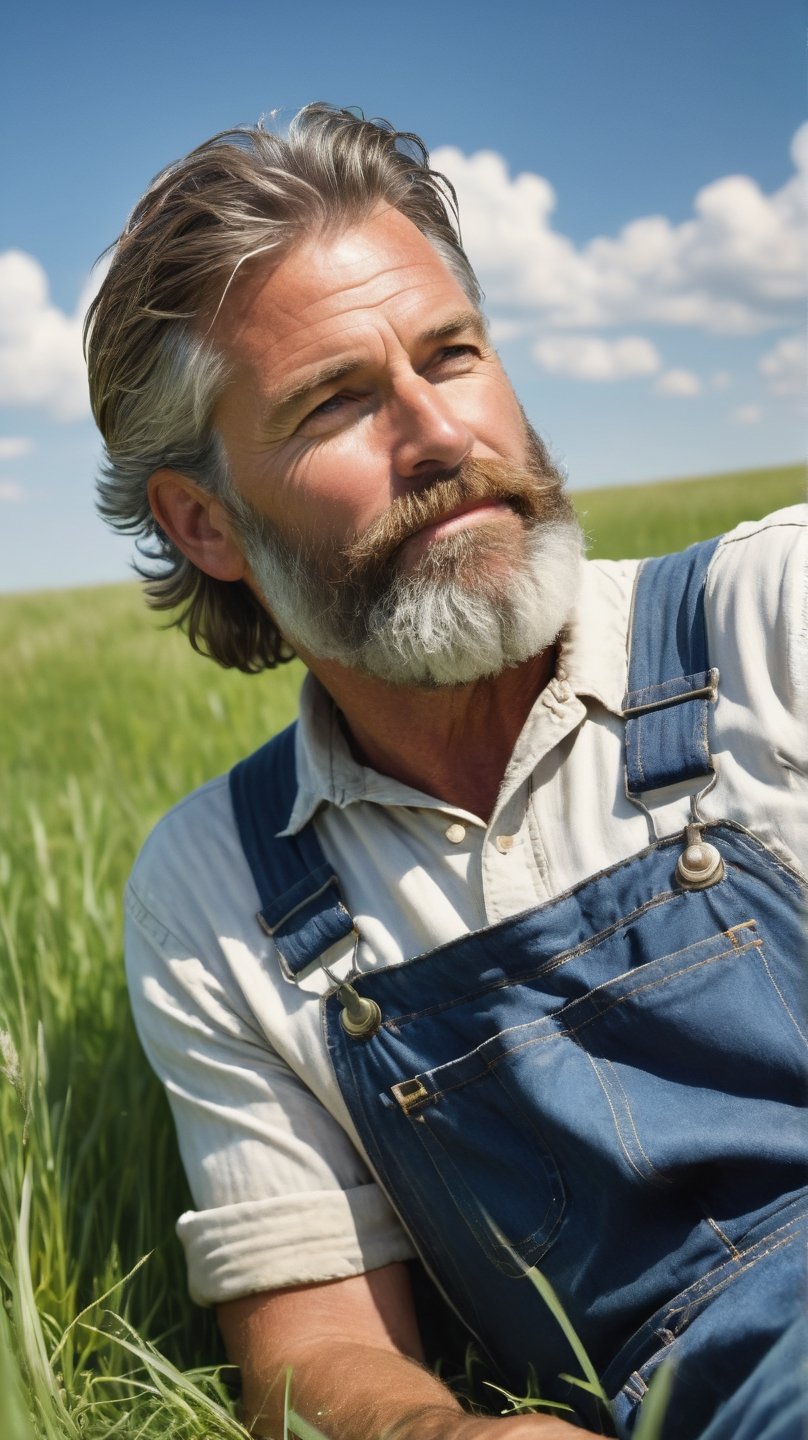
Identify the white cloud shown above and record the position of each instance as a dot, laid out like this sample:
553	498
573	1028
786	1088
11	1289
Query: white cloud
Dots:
735	267
41	363
502	330
678	382
747	415
13	446
786	366
590	357
721	380
10	492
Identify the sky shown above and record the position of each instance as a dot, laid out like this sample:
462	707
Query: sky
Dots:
631	178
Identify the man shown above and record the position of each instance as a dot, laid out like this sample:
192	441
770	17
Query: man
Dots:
495	958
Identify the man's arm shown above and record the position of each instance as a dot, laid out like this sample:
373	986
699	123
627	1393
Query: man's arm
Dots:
355	1354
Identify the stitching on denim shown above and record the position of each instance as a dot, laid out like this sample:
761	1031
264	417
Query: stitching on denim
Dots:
724	1238
792	1017
576	1029
706	1289
707	758
556	962
655	1173
635	1388
547	967
684	1311
711	1283
618	1130
638	752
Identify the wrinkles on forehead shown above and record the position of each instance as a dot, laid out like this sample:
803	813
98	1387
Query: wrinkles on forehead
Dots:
338	303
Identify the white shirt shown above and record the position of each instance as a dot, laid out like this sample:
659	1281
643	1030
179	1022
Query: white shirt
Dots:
282	1190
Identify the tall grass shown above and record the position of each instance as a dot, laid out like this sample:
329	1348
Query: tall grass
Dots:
106	722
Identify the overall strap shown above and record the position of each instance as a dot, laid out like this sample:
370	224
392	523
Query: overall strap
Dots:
671	689
301	906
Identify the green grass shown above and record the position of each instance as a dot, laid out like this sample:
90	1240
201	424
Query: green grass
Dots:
107	720
655	519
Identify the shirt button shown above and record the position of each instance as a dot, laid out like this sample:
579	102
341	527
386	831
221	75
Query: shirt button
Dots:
456	833
504	843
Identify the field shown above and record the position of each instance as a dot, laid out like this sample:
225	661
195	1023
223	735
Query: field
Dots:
107	721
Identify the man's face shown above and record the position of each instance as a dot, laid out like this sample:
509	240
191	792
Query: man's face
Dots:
376	448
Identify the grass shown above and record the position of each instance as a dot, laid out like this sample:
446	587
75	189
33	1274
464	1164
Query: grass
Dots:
655	519
107	721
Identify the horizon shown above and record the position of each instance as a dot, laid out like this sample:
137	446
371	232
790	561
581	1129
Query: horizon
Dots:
742	475
631	185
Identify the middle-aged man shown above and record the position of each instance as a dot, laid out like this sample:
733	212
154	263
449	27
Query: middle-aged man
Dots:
494	959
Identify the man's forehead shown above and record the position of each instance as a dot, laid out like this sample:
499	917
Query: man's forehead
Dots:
321	309
337	271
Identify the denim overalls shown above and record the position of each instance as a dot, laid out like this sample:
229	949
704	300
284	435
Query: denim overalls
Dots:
608	1087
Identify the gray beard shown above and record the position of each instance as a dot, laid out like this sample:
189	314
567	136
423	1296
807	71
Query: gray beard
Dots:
443	624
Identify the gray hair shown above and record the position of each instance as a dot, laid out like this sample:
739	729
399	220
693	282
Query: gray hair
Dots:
155	376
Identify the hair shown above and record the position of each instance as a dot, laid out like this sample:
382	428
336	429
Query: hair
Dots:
155	375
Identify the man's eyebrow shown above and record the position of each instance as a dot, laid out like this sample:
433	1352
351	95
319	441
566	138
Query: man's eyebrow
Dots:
287	395
469	320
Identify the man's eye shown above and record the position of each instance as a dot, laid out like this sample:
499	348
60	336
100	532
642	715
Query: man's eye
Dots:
334	405
331	405
456	354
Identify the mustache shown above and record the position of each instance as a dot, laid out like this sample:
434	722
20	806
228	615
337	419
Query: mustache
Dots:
531	491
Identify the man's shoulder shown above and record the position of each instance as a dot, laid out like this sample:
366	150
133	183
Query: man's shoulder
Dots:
782	527
196	839
767	560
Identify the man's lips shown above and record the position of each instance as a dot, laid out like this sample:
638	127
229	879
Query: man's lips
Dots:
473	512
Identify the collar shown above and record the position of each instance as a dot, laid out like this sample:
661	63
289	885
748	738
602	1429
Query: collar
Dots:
594	646
592	661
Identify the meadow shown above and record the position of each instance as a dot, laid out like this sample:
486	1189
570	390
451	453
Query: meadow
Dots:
108	718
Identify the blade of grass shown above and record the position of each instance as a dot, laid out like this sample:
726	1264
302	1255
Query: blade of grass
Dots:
561	1318
655	1405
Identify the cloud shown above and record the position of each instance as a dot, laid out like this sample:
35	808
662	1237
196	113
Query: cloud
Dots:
502	329
786	366
13	446
734	267
678	382
41	364
10	492
721	380
747	415
590	357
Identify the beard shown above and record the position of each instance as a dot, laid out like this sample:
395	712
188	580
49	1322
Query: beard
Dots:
471	603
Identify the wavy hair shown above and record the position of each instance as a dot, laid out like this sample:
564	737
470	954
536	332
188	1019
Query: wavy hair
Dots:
155	376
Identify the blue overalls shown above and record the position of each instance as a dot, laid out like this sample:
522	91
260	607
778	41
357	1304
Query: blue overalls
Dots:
608	1087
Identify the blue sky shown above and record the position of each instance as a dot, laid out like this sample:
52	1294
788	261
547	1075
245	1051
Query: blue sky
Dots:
626	172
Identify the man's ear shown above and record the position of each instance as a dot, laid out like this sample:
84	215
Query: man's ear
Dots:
197	523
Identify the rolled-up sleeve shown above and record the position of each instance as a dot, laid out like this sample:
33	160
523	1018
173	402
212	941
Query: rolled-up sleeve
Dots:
282	1196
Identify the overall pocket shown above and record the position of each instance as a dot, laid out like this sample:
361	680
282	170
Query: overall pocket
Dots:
660	1080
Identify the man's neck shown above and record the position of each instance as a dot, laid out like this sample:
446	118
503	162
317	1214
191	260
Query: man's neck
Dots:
453	743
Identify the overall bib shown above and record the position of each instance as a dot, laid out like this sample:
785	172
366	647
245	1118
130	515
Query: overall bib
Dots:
608	1087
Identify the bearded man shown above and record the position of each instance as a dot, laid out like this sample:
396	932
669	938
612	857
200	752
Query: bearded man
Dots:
493	958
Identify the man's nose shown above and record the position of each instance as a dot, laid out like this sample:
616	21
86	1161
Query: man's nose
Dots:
428	434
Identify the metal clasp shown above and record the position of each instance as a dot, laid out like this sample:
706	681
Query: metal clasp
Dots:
700	864
360	1016
409	1094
